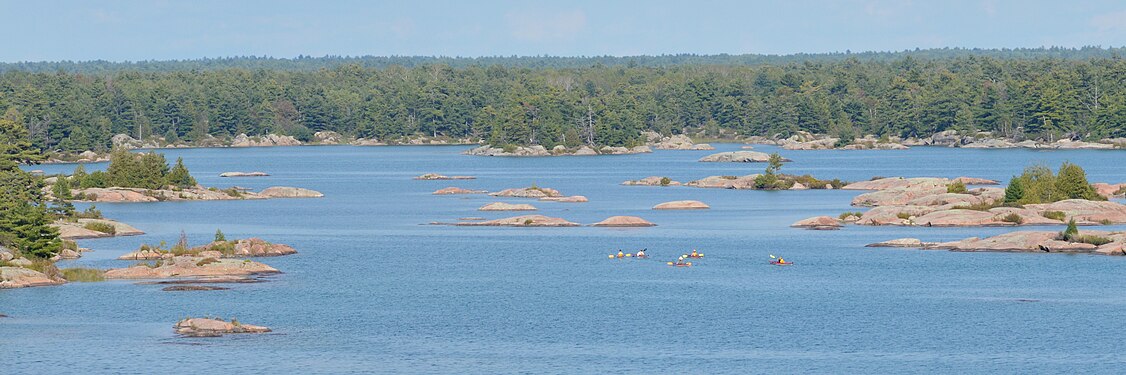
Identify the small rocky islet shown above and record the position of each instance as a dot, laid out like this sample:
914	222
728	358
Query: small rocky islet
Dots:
212	327
1109	243
927	201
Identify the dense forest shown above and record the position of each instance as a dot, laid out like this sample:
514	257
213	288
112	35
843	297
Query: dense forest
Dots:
1026	93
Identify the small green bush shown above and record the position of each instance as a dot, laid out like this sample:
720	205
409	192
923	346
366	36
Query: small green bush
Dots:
983	206
903	215
91	212
101	227
83	275
1054	215
957	188
665	181
1092	239
1013	218
70	245
847	214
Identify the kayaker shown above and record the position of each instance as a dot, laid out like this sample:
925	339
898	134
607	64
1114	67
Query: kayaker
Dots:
694	253
641	253
781	261
621	254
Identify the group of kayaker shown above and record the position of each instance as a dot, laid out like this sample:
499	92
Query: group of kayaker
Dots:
682	260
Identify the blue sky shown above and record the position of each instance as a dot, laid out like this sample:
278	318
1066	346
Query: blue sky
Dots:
140	30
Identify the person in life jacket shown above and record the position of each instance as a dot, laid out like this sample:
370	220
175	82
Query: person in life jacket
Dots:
641	253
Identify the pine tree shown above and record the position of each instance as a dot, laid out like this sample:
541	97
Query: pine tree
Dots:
24	222
219	237
1071	183
178	176
1015	191
61	191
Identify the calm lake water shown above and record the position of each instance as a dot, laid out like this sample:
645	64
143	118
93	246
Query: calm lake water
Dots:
374	290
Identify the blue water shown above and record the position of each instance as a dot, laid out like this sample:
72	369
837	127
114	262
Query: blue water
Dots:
374	290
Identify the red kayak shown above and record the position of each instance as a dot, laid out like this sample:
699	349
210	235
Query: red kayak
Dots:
777	263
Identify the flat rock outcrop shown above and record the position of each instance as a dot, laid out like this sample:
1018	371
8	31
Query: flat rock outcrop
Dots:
456	190
528	192
819	223
189	266
652	181
570	199
242	140
1109	190
1085	210
206	327
243	248
725	182
975	181
136	195
537	150
289	192
1035	241
244	174
501	206
19	277
327	137
624	221
676	142
435	176
76	230
682	205
522	221
900	242
739	157
897	182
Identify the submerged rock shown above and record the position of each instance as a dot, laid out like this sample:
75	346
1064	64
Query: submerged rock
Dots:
501	206
244	174
435	176
624	221
682	205
289	192
206	327
456	190
189	288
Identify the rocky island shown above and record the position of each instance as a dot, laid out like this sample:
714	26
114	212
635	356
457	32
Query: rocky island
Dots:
210	327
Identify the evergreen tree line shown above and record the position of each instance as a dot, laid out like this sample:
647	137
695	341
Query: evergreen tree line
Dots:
1022	98
310	63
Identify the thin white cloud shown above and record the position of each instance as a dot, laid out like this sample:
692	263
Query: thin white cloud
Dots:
1114	21
990	7
542	25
